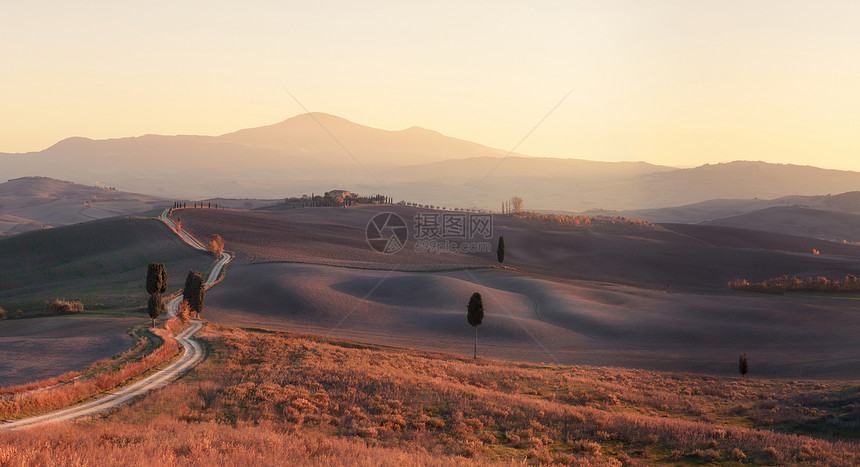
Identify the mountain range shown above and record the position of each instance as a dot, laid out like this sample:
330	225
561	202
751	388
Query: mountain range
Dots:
316	152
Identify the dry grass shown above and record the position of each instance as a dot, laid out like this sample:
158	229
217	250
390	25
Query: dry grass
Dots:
39	384
495	411
176	324
167	442
263	398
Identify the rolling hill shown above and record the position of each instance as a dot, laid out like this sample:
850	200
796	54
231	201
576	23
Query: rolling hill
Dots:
716	209
103	263
800	221
33	203
566	295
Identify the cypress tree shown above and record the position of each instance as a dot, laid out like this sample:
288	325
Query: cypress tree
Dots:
475	315
194	291
500	251
154	306
156	278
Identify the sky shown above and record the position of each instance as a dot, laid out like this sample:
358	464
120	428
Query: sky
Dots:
679	83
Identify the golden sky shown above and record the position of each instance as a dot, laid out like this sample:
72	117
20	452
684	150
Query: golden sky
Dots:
670	82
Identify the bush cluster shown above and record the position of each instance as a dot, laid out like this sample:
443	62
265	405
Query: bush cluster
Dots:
64	306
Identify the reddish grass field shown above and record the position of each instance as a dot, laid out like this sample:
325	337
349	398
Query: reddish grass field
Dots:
261	398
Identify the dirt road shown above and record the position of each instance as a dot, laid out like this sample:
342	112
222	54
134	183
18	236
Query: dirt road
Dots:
193	353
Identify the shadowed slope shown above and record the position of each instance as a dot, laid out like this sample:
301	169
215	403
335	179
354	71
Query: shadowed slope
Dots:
539	320
103	263
573	295
685	256
36	349
328	235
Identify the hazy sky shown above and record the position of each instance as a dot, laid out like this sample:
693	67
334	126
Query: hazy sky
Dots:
670	82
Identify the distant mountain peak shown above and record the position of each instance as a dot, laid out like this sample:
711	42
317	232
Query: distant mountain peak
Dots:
316	116
69	142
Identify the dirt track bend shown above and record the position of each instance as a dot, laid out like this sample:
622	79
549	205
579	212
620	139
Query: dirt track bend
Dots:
192	354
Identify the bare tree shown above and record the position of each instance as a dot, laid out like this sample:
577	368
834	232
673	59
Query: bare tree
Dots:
517	204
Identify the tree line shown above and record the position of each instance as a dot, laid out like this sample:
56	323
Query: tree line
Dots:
337	198
781	285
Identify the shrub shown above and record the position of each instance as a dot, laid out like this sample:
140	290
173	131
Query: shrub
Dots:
64	306
183	312
176	325
3	314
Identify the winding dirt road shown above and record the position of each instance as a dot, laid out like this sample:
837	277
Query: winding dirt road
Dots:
192	354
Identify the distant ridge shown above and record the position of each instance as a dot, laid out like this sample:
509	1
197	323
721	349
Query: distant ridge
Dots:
320	134
35	202
316	151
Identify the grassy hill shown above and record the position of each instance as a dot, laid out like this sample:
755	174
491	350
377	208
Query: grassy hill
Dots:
262	398
102	263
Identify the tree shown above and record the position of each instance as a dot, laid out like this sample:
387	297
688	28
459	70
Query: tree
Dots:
475	315
155	306
517	204
194	291
500	251
156	279
743	365
215	245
